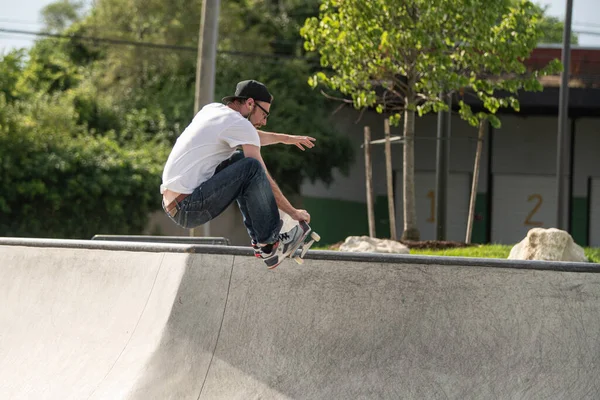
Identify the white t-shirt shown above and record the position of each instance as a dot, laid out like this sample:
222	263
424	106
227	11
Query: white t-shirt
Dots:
211	138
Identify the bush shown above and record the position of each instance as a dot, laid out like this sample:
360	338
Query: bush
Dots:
58	181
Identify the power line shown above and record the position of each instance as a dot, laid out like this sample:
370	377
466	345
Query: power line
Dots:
587	32
592	33
19	22
265	56
110	31
587	24
101	40
293	14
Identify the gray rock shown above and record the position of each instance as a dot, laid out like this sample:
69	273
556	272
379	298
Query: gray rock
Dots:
548	245
366	244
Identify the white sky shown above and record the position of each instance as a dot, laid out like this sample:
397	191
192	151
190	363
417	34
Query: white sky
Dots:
25	15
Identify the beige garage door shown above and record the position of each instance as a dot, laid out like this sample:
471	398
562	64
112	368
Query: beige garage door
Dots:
458	205
595	212
519	203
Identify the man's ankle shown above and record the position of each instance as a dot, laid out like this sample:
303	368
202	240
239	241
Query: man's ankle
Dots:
266	248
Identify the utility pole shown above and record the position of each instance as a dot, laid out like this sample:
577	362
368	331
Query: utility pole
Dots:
205	67
563	117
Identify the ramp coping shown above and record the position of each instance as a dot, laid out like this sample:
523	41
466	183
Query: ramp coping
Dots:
312	254
221	241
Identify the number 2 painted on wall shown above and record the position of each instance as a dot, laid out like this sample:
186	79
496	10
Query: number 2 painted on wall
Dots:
536	208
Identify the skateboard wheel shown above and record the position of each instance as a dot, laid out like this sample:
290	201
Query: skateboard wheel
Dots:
299	260
315	236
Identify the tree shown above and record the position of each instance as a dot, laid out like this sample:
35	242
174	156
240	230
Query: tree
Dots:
256	39
552	28
59	15
11	68
86	125
49	69
56	180
399	58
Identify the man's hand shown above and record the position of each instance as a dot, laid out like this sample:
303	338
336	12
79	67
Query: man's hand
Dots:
301	215
301	141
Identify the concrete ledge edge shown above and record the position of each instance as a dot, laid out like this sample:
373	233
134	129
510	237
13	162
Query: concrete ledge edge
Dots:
325	255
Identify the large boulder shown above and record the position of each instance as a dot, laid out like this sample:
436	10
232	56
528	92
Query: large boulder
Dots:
366	244
548	245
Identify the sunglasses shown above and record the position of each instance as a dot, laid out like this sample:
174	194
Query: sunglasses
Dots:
263	110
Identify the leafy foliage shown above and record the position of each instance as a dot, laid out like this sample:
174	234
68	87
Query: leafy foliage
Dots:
86	125
59	15
49	69
70	185
402	57
11	68
249	47
552	28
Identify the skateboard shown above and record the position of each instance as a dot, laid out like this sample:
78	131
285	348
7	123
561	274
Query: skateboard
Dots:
309	240
299	253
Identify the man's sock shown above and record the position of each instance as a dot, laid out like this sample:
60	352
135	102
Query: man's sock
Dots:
267	248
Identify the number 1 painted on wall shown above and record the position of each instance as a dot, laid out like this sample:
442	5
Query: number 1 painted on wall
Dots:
431	195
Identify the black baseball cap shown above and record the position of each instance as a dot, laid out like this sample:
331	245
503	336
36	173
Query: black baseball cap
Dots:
250	89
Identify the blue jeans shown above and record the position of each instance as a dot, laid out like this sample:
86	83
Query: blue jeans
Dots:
244	180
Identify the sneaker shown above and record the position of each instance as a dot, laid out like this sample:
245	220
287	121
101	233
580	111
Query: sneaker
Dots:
287	244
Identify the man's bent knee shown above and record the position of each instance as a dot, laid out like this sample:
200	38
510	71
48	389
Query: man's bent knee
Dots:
253	164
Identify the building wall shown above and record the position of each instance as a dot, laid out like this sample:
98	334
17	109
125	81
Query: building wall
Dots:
518	194
524	184
586	188
351	190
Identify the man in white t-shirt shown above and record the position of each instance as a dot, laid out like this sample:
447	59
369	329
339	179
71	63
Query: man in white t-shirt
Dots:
205	173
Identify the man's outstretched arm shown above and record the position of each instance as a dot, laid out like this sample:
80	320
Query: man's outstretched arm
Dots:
267	138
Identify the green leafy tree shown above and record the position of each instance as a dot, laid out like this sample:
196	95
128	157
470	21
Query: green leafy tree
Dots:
11	68
49	69
257	39
86	125
59	15
552	28
58	181
399	58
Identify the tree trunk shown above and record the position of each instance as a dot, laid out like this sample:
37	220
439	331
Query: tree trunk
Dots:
411	232
475	180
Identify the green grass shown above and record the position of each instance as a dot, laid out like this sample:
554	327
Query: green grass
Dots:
489	251
593	253
480	251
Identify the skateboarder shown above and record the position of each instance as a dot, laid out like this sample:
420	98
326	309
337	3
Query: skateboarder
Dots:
205	173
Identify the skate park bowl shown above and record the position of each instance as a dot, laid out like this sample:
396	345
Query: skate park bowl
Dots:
130	320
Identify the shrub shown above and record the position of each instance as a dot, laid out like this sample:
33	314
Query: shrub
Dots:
58	181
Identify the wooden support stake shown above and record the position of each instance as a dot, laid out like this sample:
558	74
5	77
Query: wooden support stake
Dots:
476	169
369	182
390	184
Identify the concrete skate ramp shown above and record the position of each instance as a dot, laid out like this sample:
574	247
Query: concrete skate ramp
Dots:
81	320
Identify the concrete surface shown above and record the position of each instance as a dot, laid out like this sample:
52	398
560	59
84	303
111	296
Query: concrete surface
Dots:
108	321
